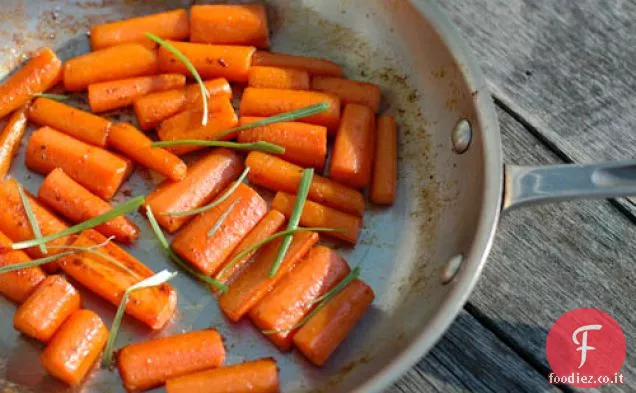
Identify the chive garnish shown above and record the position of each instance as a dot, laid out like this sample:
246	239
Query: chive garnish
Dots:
152	281
204	91
35	226
51	96
117	211
214	203
254	146
294	219
222	218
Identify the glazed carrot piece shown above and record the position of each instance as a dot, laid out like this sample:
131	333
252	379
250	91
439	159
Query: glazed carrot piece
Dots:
212	61
349	91
384	179
203	181
153	108
107	65
230	24
317	215
269	102
187	125
153	306
100	171
313	65
75	203
17	286
207	253
10	139
107	96
172	25
42	314
38	74
278	78
125	138
169	357
279	175
295	296
326	330
254	283
71	353
268	225
77	123
258	376
352	158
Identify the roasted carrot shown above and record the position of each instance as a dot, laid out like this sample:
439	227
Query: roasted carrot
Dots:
42	314
349	91
125	138
254	283
269	224
149	364
212	61
84	126
107	96
384	179
153	108
20	284
230	24
187	125
324	332
278	78
313	65
75	347
204	180
317	215
258	376
75	203
279	312
352	157
207	253
114	63
279	175
38	74
305	144
173	25
153	306
269	102
10	139
100	171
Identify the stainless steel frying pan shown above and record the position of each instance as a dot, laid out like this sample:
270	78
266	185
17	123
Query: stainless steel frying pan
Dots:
422	257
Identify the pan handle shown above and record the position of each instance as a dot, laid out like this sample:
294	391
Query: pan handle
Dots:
531	185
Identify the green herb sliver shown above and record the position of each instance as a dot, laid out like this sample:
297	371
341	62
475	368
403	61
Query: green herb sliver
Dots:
35	227
222	218
265	147
51	96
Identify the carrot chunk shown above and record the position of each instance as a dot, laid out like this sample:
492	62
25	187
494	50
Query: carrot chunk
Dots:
269	102
10	139
106	96
38	74
153	108
352	158
17	286
203	181
258	376
279	175
254	283
212	61
349	91
313	65
326	330
384	180
295	296
107	65
79	124
99	170
42	314
230	24
72	352
172	25
207	253
278	78
75	203
149	364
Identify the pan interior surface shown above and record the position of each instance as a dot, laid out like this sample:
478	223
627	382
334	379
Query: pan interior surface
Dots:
445	200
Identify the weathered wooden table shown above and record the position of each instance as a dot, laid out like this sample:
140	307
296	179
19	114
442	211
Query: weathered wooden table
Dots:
563	77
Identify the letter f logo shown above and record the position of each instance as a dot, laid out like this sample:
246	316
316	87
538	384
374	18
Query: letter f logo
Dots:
584	347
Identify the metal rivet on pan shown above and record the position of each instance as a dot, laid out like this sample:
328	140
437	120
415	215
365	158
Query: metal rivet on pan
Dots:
452	268
461	136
